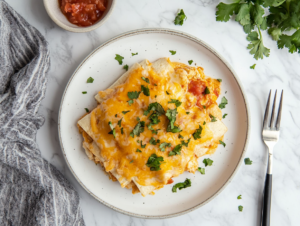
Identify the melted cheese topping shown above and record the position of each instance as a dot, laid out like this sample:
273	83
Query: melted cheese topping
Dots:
119	152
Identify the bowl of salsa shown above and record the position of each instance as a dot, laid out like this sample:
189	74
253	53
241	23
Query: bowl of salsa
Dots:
79	15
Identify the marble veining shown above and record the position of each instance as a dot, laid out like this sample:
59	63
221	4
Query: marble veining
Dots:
279	71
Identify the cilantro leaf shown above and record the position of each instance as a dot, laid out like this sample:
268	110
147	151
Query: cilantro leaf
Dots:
208	162
125	67
176	150
133	95
176	102
119	59
171	115
145	90
291	42
240	208
138	150
138	129
239	197
221	142
206	91
180	18
247	161
220	80
84	92
197	133
143	145
225	115
201	170
204	123
225	11
146	79
213	118
153	141
90	80
87	110
243	16
275	33
257	47
186	143
253	66
113	130
154	162
190	62
172	52
187	183
122	132
156	107
131	162
133	54
125	112
187	112
180	136
163	146
130	102
119	122
223	103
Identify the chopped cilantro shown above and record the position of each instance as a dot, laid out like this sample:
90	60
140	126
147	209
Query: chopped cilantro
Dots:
239	197
155	96
208	162
197	133
119	122
145	90
240	208
122	132
247	161
190	62
138	150
113	130
176	102
133	54
171	114
116	115
223	103
206	91
153	141
176	150
172	52
253	66
163	146
213	118
220	80
180	136
187	183
224	115
84	92
130	102
186	143
90	80
143	145
167	93
156	107
221	142
154	162
180	18
138	129
125	67
87	110
131	161
119	59
204	107
201	170
204	123
125	112
146	79
187	112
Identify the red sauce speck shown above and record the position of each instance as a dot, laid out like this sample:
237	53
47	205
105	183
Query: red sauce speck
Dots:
170	181
83	13
197	87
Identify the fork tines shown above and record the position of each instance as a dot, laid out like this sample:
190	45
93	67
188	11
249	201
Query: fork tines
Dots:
270	124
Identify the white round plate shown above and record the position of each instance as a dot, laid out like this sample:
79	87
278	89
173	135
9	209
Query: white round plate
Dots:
152	44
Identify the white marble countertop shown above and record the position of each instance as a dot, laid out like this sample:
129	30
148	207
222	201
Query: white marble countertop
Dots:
281	70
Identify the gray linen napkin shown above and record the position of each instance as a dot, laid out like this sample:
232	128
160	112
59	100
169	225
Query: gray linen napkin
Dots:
32	191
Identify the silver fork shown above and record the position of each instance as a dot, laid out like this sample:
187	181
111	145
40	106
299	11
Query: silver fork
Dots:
270	135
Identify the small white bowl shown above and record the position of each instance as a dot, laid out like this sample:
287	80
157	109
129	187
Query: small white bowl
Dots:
53	10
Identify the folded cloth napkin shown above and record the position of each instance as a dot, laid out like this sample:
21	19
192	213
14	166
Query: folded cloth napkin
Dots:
32	191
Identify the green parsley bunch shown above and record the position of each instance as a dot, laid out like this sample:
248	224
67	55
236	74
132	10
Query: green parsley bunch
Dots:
284	15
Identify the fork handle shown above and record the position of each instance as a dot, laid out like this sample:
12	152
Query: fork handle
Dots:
266	213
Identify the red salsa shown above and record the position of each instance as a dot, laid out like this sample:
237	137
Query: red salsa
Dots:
83	13
197	87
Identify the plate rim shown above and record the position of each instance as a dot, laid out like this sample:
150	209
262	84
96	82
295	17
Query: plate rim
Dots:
209	48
